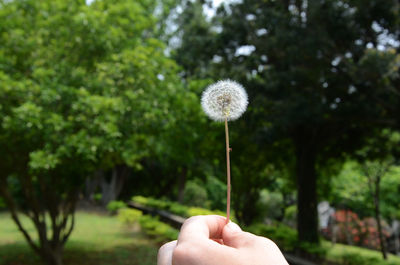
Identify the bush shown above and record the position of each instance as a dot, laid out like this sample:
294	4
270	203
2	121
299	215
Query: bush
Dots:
114	206
156	229
313	250
192	211
286	239
269	205
290	216
176	208
194	195
216	191
351	230
97	197
129	216
352	255
159	231
284	236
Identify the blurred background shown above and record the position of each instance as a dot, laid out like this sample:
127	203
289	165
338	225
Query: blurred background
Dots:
101	127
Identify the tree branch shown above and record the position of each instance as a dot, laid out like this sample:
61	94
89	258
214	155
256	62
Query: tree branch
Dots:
13	209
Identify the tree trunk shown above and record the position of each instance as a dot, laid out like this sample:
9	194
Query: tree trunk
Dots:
377	216
91	185
347	228
374	181
395	227
50	249
112	189
52	256
307	215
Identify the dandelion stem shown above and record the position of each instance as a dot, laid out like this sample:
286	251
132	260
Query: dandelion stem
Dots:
228	172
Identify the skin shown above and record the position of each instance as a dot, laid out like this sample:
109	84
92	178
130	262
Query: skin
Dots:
208	240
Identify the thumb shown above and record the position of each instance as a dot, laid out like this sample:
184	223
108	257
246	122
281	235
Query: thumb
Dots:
233	236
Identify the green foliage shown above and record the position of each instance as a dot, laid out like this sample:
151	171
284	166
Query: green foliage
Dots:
350	255
317	74
97	197
114	206
216	192
157	230
83	87
129	216
193	211
194	194
148	201
284	236
270	205
350	189
290	215
176	208
286	239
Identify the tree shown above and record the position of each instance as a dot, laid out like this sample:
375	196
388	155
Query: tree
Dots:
370	187
375	171
315	76
384	150
83	88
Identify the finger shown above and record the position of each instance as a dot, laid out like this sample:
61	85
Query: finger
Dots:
197	239
233	236
165	253
202	228
219	241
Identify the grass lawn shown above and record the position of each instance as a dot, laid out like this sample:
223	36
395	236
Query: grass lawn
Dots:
96	240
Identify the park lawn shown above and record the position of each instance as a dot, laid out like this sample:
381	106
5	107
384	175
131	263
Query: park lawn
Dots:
97	239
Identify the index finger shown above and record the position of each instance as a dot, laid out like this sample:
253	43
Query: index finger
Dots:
202	227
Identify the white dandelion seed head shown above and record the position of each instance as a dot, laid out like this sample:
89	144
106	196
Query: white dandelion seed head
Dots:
225	99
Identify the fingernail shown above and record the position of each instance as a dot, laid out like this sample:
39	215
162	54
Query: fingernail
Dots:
234	227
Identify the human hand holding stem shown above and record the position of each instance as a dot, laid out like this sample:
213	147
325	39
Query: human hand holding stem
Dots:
225	101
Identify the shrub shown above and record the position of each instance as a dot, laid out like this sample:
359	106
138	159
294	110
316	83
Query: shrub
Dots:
129	216
216	190
97	197
269	205
157	230
352	255
284	236
192	211
176	208
312	249
114	206
286	239
194	195
290	216
351	230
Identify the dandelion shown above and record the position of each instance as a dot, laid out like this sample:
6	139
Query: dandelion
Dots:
225	101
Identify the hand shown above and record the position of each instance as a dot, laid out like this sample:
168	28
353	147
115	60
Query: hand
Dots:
208	240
